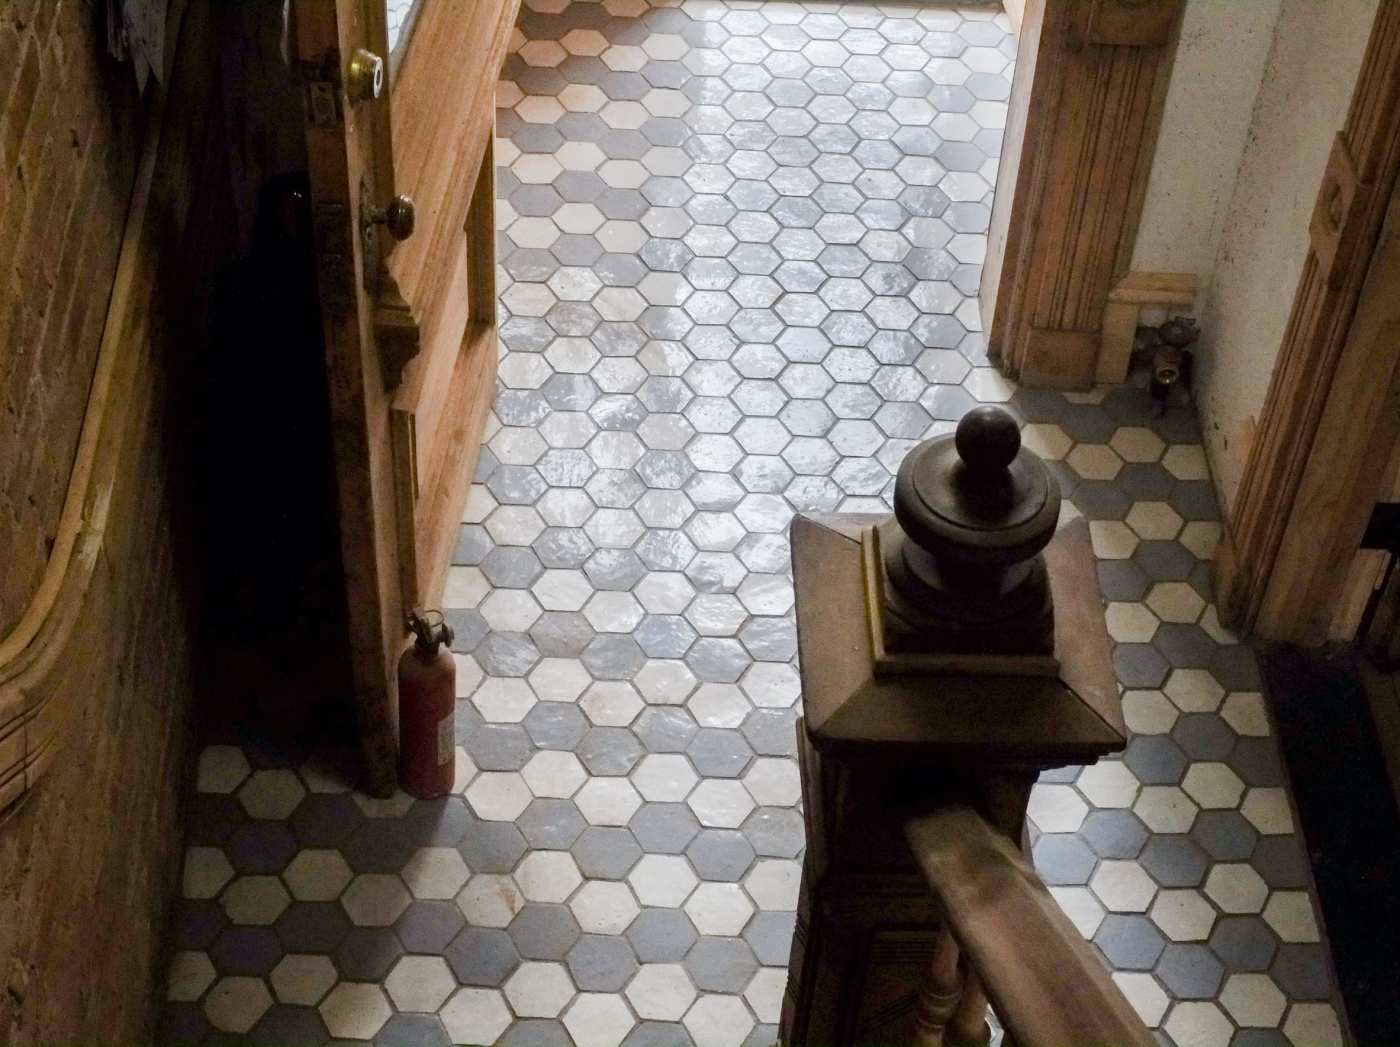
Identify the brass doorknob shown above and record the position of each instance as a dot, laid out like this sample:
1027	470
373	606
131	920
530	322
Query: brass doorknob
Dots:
364	79
397	217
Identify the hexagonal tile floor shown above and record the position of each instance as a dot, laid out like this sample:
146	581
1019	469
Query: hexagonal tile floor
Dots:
739	247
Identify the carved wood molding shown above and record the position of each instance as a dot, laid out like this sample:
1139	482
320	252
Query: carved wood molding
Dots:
1090	107
1272	575
33	717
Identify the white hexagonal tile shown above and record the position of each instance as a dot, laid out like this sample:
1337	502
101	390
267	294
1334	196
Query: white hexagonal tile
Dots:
1154	521
539	990
1145	994
665	681
302	979
1268	811
1245	712
420	983
1094	461
721	803
765	994
1082	908
554	773
1108	783
548	876
1130	622
1123	886
773	883
611	703
1194	691
206	871
1112	539
1193	1024
773	782
664	777
504	699
1149	712
499	796
435	872
1253	1001
375	900
222	769
1213	785
475	1016
1290	914
1175	602
598	1019
559	679
236	1003
608	801
719	1021
490	900
662	880
1165	809
255	900
661	992
1313	1025
1183	915
604	907
272	794
1236	888
189	974
719	908
1056	808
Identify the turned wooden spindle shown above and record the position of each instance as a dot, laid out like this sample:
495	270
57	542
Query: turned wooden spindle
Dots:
939	996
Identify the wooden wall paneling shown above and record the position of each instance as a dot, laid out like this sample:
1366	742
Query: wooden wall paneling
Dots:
1265	564
1085	116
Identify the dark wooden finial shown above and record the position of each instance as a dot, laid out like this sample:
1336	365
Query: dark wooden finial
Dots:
987	439
972	513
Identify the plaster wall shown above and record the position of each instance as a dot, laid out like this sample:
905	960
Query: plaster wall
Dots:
1220	61
1308	79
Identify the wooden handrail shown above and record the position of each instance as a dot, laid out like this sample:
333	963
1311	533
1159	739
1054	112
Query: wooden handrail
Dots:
1043	980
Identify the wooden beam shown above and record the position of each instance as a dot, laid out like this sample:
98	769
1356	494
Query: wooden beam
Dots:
1316	461
1085	110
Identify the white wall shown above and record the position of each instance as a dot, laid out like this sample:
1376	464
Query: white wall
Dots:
1309	76
1215	79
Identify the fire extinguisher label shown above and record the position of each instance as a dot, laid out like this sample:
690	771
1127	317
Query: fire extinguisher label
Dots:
445	739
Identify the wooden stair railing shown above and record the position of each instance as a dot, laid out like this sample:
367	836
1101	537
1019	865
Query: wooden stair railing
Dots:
1008	943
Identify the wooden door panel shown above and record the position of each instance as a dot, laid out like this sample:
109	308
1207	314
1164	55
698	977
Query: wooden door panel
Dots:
443	102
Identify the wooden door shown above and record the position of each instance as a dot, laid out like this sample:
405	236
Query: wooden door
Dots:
348	158
410	332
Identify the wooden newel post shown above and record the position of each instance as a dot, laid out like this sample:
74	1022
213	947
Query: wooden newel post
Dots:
950	653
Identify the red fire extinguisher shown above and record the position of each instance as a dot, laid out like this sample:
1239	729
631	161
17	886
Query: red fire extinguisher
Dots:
427	704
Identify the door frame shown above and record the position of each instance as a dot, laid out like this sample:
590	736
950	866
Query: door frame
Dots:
1082	124
1331	418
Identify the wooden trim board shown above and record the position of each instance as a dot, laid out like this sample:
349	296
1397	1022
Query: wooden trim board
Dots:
1120	316
1082	129
1328	424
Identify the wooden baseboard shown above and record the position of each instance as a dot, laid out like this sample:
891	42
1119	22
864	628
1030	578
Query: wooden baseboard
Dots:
1120	316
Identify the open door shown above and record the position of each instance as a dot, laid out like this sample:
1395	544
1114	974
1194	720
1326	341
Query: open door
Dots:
410	368
348	153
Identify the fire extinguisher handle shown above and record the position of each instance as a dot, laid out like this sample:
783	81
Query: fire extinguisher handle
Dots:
429	633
